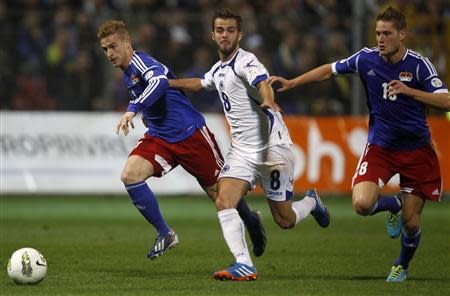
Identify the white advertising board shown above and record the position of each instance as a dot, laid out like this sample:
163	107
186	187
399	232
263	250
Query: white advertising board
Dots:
76	152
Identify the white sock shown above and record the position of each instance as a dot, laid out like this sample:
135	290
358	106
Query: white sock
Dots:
303	207
234	234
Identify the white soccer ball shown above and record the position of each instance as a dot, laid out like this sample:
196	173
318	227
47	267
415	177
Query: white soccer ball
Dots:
27	266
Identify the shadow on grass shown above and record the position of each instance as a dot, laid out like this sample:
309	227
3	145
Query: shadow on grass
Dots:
355	278
153	274
410	279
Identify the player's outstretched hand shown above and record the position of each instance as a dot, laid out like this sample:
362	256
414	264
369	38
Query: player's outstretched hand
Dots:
396	87
284	83
125	122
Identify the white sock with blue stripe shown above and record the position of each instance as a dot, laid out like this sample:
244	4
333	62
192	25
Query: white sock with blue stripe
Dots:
234	234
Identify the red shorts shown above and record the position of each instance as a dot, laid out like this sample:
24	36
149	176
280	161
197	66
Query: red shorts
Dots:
419	170
199	155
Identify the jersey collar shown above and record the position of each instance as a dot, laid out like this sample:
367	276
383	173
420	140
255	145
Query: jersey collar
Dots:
406	54
231	61
131	61
397	63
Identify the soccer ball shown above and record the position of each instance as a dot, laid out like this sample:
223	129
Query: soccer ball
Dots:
27	266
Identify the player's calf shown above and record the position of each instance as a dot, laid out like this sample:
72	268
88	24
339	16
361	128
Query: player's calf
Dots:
285	221
256	232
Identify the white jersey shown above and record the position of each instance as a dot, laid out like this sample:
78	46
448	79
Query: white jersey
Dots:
252	128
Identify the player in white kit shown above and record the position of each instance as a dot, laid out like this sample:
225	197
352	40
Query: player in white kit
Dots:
260	149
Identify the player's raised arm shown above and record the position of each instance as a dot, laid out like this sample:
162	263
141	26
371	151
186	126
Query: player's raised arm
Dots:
317	74
187	84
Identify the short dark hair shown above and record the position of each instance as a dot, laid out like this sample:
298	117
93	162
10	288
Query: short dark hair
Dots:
394	16
226	13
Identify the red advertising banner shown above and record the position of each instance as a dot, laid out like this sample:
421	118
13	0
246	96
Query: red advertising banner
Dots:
328	149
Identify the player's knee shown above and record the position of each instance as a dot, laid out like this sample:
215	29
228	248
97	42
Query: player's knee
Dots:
411	225
223	203
362	207
128	177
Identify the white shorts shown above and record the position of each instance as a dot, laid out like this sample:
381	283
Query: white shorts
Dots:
274	170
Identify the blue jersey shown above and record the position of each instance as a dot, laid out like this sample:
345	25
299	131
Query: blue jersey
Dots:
169	114
397	122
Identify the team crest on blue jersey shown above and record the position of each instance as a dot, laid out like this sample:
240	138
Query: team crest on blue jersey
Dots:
405	76
134	78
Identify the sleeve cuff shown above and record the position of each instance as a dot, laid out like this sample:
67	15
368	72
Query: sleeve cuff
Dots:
259	78
203	83
133	108
333	68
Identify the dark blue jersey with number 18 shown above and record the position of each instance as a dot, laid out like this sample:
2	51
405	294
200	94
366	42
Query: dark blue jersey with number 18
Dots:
169	114
396	122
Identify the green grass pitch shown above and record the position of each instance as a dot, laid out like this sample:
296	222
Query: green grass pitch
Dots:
97	245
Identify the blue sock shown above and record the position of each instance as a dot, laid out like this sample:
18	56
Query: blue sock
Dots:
145	201
244	212
387	203
409	244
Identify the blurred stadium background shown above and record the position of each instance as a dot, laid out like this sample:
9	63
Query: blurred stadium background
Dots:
52	59
61	161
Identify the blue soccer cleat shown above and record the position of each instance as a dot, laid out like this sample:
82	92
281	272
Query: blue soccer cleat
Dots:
257	234
236	272
320	212
394	225
397	274
163	243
